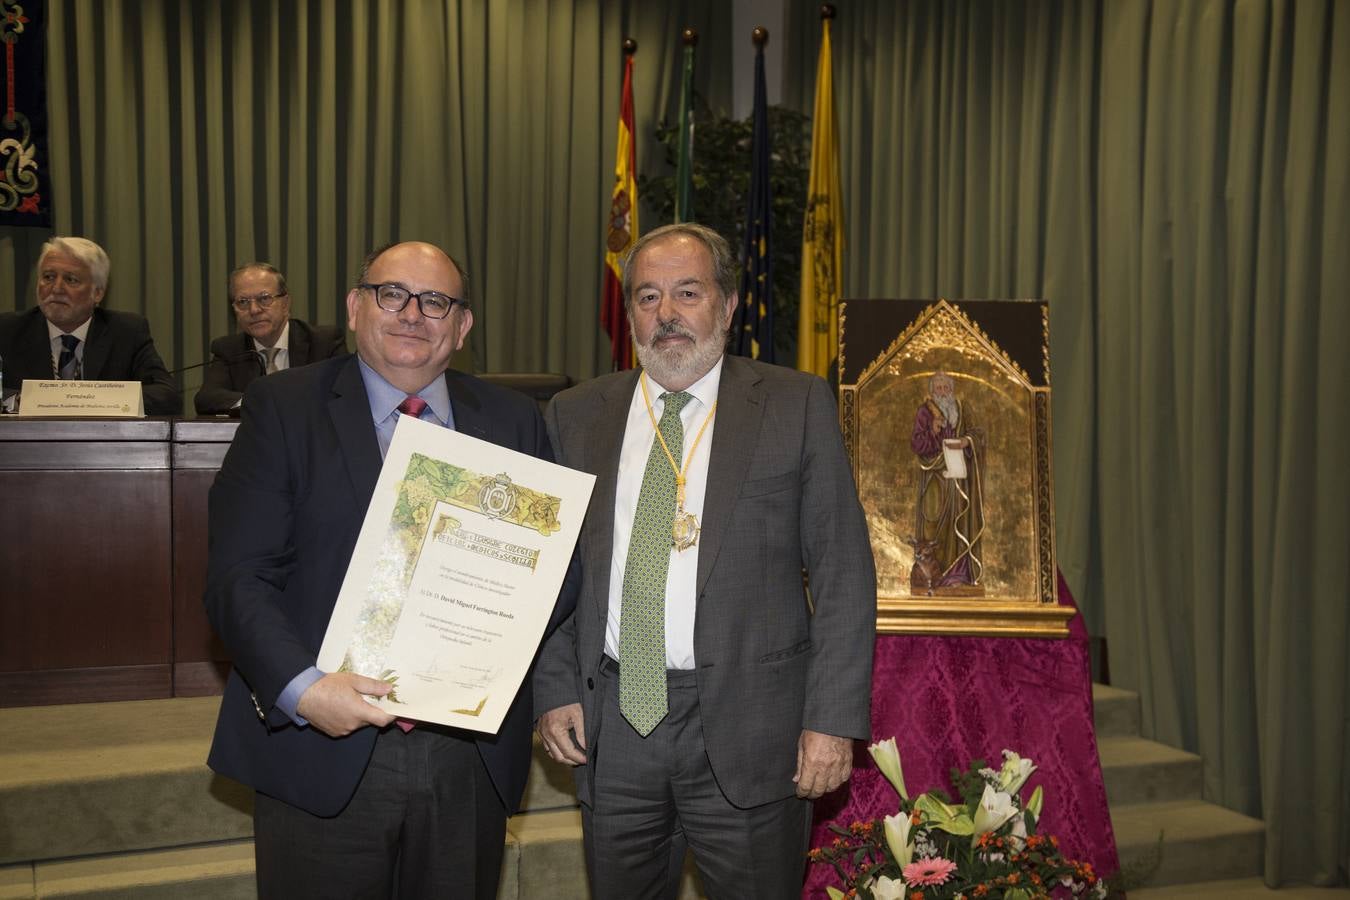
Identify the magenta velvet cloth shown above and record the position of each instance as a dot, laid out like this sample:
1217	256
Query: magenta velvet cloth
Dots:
948	700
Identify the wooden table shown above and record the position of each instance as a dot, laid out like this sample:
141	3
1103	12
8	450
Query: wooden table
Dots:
103	558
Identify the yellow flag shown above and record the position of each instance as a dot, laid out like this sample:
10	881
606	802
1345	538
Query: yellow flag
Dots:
822	232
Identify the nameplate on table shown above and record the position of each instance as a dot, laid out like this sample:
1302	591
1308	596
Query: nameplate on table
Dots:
106	399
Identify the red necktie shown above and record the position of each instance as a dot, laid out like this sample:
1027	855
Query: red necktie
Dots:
411	406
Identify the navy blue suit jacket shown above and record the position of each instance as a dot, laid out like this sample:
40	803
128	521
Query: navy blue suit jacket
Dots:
284	516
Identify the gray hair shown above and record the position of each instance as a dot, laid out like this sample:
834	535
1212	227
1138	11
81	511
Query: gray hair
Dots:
86	251
261	267
726	269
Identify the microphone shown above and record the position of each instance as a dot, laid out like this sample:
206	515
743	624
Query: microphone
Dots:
228	360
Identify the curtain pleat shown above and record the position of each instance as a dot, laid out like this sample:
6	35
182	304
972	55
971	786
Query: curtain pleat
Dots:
1172	176
188	138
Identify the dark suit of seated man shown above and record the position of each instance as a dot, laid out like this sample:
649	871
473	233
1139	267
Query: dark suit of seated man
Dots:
68	335
268	339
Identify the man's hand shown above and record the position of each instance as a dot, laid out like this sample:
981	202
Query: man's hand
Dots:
823	763
563	730
334	703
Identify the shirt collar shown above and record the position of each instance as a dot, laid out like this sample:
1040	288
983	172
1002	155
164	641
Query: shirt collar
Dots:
704	390
385	398
82	332
283	342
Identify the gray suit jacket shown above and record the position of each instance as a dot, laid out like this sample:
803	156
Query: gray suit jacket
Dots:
780	499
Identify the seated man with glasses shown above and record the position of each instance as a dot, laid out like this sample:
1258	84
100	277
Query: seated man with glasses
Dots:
268	339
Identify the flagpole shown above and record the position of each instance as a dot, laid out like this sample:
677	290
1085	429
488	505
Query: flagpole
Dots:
684	158
752	324
823	228
622	227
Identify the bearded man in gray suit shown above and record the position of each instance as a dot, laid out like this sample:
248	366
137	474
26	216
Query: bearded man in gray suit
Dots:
702	696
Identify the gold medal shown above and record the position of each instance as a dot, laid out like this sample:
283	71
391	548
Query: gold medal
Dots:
684	530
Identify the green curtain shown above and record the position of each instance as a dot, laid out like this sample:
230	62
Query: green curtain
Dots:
189	137
1172	176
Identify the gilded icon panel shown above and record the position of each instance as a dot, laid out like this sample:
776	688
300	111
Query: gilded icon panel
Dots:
948	432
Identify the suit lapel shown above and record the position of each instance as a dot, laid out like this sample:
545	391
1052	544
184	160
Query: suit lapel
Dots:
603	447
740	407
36	346
467	407
349	411
299	344
244	361
96	347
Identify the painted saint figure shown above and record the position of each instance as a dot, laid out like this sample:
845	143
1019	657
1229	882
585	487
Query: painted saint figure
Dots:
949	513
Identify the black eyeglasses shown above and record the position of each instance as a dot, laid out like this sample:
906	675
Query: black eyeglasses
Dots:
432	304
263	300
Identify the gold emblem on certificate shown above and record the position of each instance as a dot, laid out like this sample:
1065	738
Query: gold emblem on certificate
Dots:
684	532
498	497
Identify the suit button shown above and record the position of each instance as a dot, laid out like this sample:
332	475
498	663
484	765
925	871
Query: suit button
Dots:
590	684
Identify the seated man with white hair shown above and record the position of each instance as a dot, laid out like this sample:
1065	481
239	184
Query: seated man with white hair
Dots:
69	335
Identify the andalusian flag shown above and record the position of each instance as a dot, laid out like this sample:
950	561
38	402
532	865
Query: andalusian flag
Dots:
752	328
623	223
684	158
822	231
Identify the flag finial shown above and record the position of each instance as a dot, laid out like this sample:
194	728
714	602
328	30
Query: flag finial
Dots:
827	10
629	46
760	36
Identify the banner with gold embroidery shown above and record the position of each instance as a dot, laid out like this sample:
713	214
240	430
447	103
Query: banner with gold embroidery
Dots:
25	187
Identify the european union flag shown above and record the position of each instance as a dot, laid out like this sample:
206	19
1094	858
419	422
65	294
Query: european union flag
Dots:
752	327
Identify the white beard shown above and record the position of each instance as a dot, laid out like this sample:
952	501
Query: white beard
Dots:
950	410
680	365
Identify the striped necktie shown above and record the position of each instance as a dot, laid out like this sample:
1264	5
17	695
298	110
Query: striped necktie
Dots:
68	367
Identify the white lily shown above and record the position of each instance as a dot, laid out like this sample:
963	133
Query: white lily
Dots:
887	757
1035	803
995	808
1014	773
888	888
897	838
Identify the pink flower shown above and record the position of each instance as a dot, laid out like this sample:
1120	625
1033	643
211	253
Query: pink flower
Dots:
934	870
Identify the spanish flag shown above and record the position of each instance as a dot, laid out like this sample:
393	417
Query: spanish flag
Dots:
622	228
822	231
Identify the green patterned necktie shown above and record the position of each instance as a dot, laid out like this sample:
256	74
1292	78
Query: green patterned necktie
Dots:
642	621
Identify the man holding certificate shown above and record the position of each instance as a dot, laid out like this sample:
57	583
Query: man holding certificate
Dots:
703	697
351	802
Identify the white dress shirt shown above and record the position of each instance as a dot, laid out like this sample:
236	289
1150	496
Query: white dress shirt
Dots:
682	578
54	335
283	344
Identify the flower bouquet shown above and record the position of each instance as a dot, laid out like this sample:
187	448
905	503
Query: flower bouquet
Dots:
983	847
